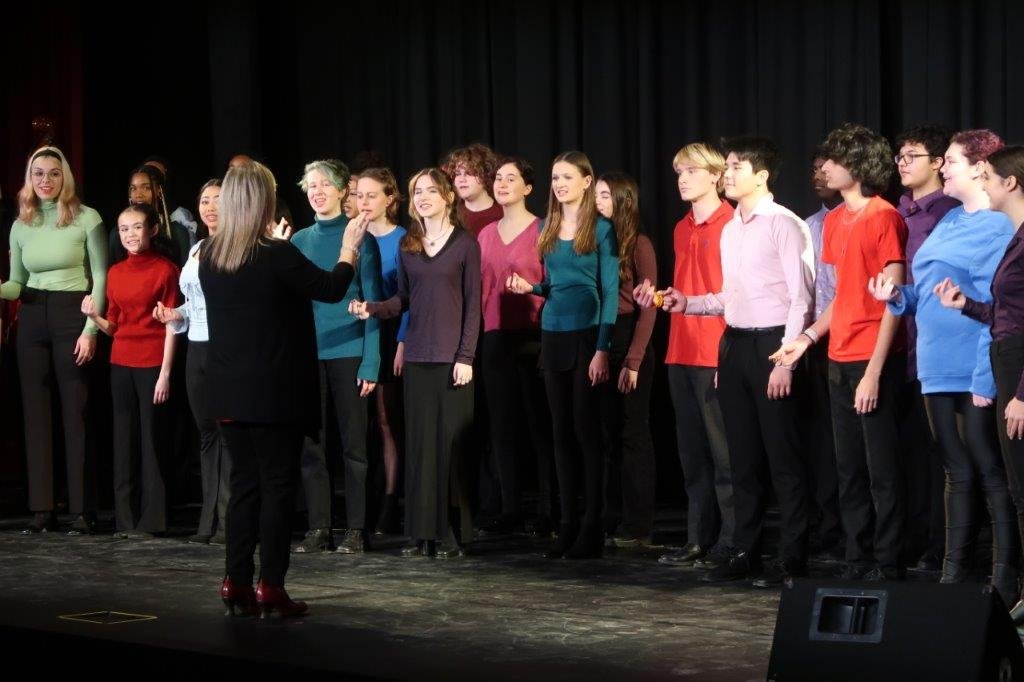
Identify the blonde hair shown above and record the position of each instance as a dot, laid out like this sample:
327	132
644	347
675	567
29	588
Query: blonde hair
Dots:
68	203
585	240
247	204
704	156
412	242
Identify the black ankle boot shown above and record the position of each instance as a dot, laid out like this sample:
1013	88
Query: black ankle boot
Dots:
566	538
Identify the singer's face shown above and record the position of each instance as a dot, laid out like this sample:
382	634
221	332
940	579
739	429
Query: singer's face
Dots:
509	186
371	199
324	198
428	199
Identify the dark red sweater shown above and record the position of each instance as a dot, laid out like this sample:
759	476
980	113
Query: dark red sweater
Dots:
133	287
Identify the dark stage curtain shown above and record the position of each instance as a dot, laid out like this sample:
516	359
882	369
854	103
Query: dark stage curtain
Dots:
627	82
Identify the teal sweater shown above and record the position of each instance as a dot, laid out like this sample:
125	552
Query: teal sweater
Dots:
582	290
339	334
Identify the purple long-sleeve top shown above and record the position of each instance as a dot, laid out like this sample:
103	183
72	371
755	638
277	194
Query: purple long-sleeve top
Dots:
442	294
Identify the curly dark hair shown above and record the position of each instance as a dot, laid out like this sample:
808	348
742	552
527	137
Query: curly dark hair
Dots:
934	138
864	153
478	159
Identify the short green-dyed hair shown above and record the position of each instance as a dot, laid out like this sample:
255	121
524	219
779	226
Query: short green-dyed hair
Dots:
337	174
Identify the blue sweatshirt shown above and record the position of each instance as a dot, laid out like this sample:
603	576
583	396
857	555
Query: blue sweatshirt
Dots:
582	290
952	349
339	334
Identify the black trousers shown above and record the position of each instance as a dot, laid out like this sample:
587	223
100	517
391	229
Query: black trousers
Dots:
968	442
575	421
821	450
868	462
1007	357
923	475
703	455
264	471
50	323
438	424
140	498
509	364
214	456
629	451
762	432
338	386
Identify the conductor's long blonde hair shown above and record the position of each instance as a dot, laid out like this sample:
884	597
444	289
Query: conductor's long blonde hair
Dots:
248	200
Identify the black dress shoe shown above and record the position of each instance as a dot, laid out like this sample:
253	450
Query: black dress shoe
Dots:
778	572
449	550
316	540
42	522
738	567
219	538
82	525
929	561
718	555
683	557
198	539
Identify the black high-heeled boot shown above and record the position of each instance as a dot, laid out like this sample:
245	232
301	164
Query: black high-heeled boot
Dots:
566	537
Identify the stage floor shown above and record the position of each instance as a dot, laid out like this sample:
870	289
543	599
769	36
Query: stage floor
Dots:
502	613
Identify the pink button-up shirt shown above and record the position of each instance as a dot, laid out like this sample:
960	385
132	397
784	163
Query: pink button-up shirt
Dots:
767	272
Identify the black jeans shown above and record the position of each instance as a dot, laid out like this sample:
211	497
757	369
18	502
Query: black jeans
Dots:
214	456
515	397
575	421
141	506
703	455
265	467
868	462
762	432
966	436
49	325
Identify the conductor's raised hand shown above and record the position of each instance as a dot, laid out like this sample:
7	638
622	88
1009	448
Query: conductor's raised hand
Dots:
282	230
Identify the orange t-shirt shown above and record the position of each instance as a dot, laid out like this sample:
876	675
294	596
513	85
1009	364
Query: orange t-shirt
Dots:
859	245
693	339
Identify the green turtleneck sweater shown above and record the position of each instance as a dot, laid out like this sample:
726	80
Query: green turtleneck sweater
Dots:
51	258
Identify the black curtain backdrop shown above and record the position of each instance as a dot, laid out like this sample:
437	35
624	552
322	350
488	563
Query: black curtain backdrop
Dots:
626	82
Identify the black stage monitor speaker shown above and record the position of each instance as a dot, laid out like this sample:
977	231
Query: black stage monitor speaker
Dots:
923	632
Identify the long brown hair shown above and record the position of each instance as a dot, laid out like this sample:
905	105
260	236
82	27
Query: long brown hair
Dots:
68	204
248	200
586	220
412	242
625	217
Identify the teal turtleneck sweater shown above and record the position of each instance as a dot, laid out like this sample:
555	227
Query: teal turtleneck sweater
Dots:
51	258
339	334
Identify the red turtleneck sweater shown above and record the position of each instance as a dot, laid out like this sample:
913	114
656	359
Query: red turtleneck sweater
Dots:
133	287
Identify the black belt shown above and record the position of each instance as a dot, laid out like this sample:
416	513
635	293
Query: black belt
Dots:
754	331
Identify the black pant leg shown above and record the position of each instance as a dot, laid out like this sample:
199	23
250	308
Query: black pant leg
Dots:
243	520
125	413
499	374
855	503
351	412
559	387
316	477
65	322
702	513
34	348
211	447
152	434
820	447
638	462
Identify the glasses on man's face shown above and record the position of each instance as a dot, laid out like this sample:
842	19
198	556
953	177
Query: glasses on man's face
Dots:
907	159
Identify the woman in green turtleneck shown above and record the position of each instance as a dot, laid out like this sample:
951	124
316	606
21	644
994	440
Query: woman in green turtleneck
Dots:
58	253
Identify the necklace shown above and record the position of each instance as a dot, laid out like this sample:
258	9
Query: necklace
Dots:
430	242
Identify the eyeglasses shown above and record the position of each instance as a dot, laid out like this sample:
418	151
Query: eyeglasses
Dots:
906	159
38	175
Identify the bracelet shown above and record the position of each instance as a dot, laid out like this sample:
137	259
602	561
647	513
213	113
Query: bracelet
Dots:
811	334
355	253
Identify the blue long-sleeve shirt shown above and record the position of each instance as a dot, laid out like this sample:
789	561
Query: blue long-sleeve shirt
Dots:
389	248
339	334
952	349
582	290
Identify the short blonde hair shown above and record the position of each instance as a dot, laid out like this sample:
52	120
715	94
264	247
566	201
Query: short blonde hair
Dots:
704	156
